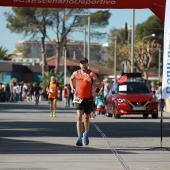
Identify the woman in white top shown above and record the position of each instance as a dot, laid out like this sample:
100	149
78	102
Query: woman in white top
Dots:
16	90
24	91
159	97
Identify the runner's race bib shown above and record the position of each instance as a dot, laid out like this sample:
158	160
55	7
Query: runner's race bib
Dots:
77	100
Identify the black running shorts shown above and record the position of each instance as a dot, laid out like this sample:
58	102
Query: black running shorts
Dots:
87	105
51	99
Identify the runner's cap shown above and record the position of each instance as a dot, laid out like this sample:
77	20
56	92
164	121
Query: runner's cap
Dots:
83	60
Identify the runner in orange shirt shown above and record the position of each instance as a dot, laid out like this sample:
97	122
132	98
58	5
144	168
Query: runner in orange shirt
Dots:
52	91
83	98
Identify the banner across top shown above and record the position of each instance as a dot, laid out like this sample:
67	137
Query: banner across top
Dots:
156	6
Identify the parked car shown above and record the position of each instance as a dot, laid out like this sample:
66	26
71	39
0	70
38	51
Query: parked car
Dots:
132	97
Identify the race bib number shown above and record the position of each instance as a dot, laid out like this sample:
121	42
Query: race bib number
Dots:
77	100
52	90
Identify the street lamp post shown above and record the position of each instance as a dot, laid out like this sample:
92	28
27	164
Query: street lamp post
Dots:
65	64
88	53
85	42
84	29
115	59
115	53
152	35
159	64
88	50
132	42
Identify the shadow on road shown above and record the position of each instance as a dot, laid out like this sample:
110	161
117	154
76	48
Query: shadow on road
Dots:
14	134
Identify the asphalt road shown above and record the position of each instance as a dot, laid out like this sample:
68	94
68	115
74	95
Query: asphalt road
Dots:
31	140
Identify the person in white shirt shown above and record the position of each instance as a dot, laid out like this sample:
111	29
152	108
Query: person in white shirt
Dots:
16	90
24	91
107	88
159	97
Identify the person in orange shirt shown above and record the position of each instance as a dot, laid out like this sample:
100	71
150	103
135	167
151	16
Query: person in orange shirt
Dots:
83	100
65	94
52	91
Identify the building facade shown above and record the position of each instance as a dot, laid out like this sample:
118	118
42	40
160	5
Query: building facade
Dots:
75	50
23	73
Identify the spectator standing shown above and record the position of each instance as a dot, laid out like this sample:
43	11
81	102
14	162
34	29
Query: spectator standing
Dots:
66	95
2	93
60	93
11	90
159	97
31	91
24	91
20	91
37	89
16	90
7	92
106	88
71	96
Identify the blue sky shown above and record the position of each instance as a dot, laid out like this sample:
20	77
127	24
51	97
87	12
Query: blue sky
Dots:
118	19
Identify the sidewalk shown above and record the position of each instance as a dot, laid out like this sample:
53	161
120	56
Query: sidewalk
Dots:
31	140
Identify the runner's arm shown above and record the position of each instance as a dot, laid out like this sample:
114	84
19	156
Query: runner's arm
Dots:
47	89
96	81
72	78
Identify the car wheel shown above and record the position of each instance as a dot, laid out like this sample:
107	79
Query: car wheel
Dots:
115	114
154	116
145	115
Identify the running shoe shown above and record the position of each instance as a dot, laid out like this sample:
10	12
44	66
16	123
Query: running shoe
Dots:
51	114
85	139
54	114
79	143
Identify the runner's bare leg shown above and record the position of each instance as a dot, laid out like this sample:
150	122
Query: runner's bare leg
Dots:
86	122
54	105
79	123
51	105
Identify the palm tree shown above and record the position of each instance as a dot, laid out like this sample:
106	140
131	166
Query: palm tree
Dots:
3	52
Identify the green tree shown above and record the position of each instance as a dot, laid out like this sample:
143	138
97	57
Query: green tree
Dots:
30	22
63	21
36	21
152	25
144	53
126	33
119	34
3	52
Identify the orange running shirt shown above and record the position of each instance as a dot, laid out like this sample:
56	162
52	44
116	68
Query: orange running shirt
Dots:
83	87
53	90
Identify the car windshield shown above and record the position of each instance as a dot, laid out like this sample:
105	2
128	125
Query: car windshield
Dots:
133	87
